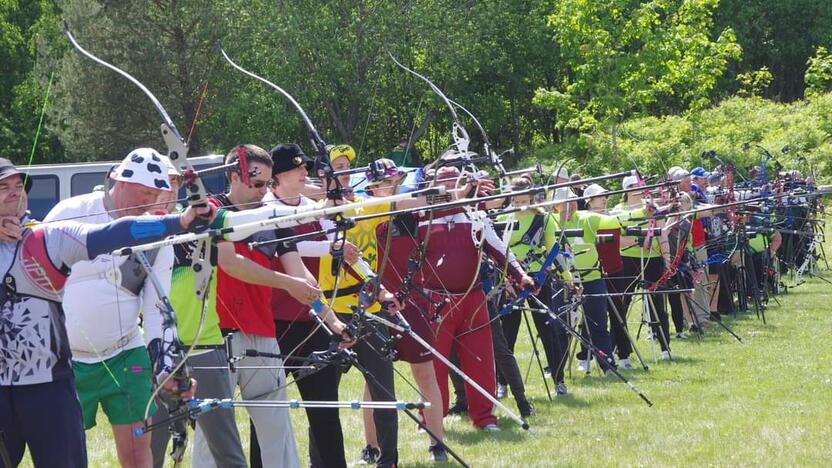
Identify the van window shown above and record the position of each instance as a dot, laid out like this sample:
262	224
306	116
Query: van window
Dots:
83	182
44	195
215	183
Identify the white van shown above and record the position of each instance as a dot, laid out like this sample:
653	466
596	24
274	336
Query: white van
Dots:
54	182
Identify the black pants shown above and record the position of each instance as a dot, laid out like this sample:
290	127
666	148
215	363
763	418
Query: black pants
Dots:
755	274
382	388
725	298
552	334
45	417
326	439
681	280
508	372
626	281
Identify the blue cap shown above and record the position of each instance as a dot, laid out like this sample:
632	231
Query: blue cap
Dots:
699	172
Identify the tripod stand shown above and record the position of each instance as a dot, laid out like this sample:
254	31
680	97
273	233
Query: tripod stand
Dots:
599	355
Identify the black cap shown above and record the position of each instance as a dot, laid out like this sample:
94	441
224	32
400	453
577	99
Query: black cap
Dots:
288	156
7	169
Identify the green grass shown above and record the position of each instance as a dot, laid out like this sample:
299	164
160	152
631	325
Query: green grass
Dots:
767	401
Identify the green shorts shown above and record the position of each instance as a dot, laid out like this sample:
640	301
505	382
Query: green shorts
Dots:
122	384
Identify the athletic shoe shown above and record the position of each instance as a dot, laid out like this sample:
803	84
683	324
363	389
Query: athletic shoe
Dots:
583	365
437	453
681	336
501	391
491	428
665	355
560	389
459	407
525	408
369	455
625	363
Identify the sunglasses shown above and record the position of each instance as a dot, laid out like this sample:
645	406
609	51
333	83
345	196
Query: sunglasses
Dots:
260	184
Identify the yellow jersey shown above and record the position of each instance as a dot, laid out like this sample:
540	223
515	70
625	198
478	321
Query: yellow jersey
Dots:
363	236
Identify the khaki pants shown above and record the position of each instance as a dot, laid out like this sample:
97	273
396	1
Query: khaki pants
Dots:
274	427
701	298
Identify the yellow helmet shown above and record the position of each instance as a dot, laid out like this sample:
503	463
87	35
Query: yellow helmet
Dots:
337	151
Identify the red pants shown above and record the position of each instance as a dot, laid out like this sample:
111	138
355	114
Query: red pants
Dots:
475	352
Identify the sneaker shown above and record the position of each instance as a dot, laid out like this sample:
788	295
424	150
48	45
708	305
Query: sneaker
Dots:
665	355
460	407
491	428
681	336
560	388
695	330
583	366
547	372
525	408
501	391
369	455
625	363
438	453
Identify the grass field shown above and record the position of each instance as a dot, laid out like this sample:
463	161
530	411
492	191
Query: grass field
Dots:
767	401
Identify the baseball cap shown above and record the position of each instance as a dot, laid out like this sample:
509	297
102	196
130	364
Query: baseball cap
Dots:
677	173
337	151
699	172
7	169
288	156
629	181
383	169
562	174
563	194
144	166
594	190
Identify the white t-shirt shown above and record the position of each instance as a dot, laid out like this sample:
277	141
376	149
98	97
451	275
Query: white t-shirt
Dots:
305	248
104	297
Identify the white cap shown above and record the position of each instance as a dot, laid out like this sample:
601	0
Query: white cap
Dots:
563	194
677	173
144	166
629	181
594	190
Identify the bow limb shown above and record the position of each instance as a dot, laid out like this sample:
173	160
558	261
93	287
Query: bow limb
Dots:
322	163
458	132
201	263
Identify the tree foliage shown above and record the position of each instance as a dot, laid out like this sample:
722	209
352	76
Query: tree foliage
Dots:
780	35
547	77
629	57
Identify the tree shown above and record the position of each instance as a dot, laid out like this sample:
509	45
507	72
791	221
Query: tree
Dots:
780	35
22	86
629	57
167	45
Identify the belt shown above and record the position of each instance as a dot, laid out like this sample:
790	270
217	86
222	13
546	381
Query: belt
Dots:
354	289
121	343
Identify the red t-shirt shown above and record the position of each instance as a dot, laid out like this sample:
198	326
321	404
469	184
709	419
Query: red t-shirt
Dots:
245	306
697	233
